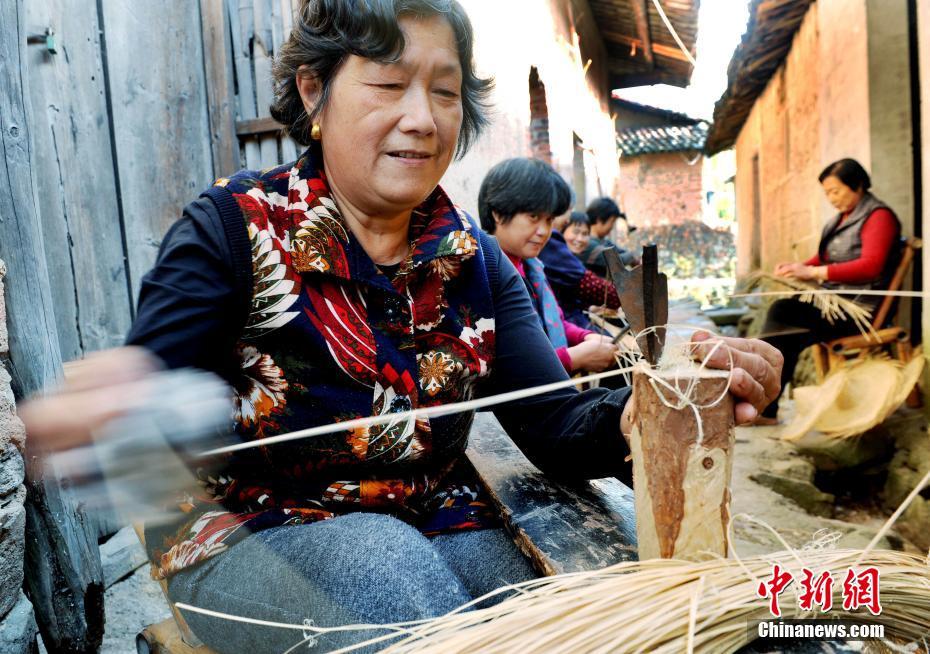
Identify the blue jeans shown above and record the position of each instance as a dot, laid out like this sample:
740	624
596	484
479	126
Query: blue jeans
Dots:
358	568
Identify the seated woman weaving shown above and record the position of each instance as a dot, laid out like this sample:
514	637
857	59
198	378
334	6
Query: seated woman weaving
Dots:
343	285
576	288
860	248
517	202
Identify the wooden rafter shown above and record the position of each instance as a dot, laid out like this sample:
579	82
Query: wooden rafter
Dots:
641	14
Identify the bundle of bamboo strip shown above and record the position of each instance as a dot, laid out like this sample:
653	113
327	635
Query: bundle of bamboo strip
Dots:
668	606
852	399
832	306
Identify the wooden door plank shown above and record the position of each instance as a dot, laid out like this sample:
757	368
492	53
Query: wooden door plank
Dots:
240	26
77	202
262	53
218	72
280	36
77	197
160	123
62	562
560	527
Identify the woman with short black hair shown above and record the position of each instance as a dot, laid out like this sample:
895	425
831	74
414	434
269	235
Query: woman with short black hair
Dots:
518	200
860	248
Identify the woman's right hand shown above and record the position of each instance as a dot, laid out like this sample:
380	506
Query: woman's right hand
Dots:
593	355
96	389
786	268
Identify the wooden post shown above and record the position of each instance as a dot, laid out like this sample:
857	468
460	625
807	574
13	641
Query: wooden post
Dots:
63	573
681	478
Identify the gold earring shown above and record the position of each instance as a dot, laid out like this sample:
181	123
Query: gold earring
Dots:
315	132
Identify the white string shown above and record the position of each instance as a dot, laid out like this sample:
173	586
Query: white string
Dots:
836	291
480	403
685	396
427	412
673	32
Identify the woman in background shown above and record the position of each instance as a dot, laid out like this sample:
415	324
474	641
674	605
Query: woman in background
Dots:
860	248
518	200
577	233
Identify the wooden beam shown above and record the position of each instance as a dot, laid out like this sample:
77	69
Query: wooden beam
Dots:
559	527
62	561
671	52
257	126
641	12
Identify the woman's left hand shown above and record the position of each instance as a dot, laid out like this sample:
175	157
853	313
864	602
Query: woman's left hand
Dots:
756	370
800	272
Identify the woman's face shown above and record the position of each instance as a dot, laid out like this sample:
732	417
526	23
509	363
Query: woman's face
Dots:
389	131
524	235
839	195
577	237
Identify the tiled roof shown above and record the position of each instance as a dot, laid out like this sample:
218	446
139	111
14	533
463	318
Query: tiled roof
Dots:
673	117
667	138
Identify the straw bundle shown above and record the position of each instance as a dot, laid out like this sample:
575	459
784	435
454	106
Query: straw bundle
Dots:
832	306
667	606
854	398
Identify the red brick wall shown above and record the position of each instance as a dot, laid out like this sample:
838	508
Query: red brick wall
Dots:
660	188
539	119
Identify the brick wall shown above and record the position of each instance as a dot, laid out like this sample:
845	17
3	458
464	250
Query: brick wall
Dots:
539	119
817	109
662	188
784	132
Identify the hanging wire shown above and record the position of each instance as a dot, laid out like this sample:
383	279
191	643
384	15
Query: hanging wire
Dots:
674	33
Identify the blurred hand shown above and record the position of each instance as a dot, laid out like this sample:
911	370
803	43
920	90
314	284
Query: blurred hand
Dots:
755	378
594	354
800	271
96	389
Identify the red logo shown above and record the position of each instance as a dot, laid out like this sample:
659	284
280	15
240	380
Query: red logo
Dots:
774	587
861	590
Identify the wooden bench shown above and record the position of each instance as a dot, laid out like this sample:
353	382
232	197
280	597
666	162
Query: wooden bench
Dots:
559	527
828	356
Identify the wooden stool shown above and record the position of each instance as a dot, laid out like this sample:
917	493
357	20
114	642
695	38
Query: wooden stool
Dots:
171	636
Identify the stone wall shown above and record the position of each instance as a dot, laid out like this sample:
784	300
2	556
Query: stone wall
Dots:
660	189
17	625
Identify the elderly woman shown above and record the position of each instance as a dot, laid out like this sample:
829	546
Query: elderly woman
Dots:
518	200
860	248
342	285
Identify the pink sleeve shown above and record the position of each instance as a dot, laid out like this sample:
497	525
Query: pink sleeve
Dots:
573	333
565	358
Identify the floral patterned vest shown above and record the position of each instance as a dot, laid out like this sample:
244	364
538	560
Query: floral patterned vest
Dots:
330	338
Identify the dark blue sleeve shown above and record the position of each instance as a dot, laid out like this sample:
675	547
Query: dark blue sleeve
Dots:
566	433
188	312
